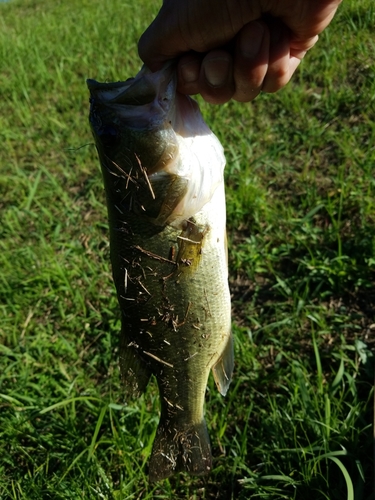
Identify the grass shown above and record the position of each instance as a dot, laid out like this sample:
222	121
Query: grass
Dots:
297	421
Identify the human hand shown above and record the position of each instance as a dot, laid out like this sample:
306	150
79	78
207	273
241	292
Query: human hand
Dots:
233	49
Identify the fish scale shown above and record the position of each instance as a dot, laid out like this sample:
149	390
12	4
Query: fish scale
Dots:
168	255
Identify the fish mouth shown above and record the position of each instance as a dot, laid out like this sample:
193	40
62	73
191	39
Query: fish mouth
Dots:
142	90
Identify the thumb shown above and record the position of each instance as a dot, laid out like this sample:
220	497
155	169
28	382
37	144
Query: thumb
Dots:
162	40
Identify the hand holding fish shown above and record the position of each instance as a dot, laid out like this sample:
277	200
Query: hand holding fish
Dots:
230	49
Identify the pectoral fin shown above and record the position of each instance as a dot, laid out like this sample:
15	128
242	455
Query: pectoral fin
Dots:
223	369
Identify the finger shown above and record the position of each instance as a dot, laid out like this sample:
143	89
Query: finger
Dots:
216	77
188	71
296	57
251	60
279	69
299	48
312	19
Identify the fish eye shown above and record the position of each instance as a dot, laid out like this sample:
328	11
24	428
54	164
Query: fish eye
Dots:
109	134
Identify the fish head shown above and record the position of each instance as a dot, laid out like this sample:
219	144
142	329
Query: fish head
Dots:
131	123
159	158
131	120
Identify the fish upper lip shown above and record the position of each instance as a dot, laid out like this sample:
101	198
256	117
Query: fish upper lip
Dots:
108	93
95	85
121	92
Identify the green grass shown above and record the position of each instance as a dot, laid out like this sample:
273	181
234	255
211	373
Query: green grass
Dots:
297	421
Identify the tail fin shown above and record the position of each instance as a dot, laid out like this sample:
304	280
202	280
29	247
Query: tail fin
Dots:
180	450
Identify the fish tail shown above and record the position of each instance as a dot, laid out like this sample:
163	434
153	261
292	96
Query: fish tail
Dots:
174	450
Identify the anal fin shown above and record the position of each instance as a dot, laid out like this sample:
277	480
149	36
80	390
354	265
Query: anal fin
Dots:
223	369
135	372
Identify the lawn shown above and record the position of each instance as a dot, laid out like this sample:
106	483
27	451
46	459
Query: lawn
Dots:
297	422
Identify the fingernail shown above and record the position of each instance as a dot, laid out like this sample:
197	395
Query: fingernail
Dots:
216	71
251	39
189	72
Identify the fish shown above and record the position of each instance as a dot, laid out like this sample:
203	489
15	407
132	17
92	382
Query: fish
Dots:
163	173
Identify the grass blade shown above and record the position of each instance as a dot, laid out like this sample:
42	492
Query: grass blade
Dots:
69	401
349	484
97	429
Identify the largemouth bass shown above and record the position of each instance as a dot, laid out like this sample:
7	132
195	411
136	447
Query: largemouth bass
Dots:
163	177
